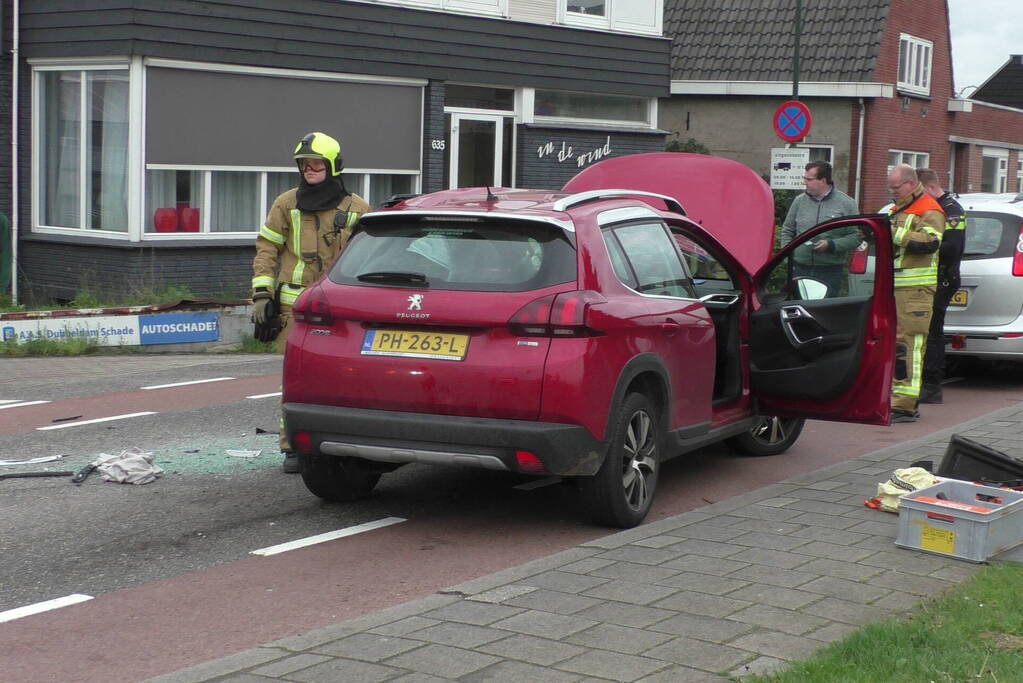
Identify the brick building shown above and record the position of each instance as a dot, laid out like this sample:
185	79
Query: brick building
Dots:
876	74
154	134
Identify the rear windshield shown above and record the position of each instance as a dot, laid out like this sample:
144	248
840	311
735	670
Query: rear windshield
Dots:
498	256
991	234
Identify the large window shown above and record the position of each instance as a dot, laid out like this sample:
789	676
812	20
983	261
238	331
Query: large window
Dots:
632	16
155	149
228	201
82	165
555	104
915	64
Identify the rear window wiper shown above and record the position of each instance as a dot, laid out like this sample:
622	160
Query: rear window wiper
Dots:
394	276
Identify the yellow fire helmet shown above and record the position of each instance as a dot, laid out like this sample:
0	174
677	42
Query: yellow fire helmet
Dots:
320	146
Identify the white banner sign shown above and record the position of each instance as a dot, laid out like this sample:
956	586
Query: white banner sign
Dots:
787	167
105	330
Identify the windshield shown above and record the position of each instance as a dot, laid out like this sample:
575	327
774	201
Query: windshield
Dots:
490	256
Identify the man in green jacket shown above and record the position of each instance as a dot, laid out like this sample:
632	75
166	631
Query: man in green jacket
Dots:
823	259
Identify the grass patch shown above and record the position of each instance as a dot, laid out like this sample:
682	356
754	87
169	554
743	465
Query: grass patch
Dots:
973	632
252	345
48	347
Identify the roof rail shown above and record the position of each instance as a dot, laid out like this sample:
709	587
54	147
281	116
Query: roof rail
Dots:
565	203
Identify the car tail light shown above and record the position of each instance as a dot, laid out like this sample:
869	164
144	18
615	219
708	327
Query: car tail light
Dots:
1017	254
312	308
958	341
529	463
556	315
302	442
858	260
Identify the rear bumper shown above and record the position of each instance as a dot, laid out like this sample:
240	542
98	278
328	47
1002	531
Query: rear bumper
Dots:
488	443
988	342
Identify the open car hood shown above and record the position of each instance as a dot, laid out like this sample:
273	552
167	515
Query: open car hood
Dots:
726	198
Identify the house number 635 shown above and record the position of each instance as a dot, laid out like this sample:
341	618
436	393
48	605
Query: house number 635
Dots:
437	144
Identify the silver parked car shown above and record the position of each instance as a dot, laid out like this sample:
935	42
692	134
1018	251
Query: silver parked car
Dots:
985	318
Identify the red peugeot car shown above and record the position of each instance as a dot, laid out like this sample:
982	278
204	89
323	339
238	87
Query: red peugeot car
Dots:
591	333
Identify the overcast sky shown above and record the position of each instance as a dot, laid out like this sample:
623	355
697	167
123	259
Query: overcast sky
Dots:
984	34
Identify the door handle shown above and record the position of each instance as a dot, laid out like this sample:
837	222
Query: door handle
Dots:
789	317
670	327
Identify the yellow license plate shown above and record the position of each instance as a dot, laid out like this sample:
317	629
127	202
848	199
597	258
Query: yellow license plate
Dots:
959	298
415	344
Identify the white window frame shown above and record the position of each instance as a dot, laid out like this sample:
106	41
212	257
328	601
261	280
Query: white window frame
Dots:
265	200
914	67
908	156
492	8
613	19
1001	167
527	105
1019	173
830	148
135	95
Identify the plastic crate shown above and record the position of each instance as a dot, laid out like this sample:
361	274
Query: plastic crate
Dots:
961	519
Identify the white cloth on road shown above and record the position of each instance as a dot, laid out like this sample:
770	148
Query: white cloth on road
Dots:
133	466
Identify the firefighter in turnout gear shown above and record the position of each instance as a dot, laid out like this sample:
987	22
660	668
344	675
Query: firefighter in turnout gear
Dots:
917	225
304	232
953	243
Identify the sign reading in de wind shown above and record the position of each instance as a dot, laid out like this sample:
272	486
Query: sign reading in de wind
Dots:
118	330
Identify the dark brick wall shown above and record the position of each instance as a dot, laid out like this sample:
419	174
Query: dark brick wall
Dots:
433	131
58	270
549	157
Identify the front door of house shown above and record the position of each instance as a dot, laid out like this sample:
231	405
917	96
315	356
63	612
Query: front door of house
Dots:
477	150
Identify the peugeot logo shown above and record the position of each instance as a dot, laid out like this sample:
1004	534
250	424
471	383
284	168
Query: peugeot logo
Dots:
415	302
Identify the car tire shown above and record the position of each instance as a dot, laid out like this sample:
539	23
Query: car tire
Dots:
770	436
337	479
621	491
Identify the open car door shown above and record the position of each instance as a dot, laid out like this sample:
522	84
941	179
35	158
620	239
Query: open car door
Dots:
822	326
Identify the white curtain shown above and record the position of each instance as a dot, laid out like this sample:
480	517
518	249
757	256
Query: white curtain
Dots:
61	144
234	202
108	150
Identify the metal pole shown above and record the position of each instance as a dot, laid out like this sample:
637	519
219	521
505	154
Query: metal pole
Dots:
795	52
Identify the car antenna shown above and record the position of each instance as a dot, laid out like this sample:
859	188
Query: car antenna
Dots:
491	197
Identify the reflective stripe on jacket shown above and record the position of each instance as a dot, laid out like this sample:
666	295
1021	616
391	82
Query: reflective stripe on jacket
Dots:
917	227
295	247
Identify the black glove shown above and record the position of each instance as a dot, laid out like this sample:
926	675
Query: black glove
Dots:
266	316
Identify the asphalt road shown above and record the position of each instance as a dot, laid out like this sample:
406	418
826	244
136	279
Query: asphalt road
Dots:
170	566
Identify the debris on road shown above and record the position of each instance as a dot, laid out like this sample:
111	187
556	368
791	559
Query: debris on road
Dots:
47	473
971	461
243	454
32	461
65	419
133	466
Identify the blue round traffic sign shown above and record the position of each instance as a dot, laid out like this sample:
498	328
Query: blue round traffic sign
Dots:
792	121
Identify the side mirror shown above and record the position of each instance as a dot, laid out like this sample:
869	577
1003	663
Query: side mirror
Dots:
810	289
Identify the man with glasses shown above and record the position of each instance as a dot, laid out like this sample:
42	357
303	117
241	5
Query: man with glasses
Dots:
303	234
823	259
917	226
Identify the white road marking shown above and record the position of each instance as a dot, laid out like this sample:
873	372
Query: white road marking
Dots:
27	610
329	536
98	419
538	483
20	404
185	384
10	400
276	393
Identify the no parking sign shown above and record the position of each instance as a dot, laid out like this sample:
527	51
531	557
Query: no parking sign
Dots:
792	121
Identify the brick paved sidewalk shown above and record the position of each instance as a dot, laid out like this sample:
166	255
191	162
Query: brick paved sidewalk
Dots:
737	587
